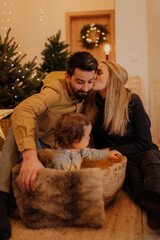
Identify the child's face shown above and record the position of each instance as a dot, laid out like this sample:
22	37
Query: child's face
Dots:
85	139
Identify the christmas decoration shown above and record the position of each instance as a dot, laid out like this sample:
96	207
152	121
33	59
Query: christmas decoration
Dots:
3	114
54	55
6	15
42	14
17	81
93	35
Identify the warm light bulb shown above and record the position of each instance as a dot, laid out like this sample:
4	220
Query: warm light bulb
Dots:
107	49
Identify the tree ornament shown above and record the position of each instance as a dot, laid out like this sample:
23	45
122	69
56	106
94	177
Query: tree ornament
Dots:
93	35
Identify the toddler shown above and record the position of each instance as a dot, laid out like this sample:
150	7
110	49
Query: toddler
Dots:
72	131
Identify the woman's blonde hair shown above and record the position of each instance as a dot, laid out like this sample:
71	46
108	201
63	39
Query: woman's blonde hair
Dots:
116	114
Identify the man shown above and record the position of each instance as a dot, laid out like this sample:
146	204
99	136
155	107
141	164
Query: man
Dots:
32	122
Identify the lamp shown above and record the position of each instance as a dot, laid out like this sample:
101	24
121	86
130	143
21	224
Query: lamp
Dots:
107	50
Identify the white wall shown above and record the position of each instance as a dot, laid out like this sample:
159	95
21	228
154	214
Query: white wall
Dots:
32	33
131	40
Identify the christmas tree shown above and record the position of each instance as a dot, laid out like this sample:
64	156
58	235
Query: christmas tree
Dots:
17	81
54	55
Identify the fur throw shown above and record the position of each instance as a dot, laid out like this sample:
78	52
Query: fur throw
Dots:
62	198
69	198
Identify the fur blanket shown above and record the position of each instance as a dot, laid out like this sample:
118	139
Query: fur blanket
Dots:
69	198
61	198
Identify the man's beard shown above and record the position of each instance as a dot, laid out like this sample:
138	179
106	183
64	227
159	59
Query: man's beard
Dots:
80	94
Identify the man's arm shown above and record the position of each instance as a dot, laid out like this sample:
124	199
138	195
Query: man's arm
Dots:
23	121
25	115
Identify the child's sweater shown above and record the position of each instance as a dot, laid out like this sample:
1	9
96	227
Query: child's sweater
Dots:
68	160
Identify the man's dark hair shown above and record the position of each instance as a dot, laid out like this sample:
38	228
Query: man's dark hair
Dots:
70	129
82	60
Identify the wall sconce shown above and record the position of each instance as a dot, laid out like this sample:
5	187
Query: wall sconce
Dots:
107	50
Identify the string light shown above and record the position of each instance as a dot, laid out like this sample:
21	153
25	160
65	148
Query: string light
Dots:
6	13
42	14
92	35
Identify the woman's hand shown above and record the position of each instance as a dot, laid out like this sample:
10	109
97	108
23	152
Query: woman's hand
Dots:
114	155
29	170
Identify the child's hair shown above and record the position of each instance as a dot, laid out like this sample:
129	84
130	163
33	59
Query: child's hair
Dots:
70	129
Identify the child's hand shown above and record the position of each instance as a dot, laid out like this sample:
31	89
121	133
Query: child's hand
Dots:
114	155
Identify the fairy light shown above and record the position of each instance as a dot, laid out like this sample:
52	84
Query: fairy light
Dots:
42	14
92	35
6	12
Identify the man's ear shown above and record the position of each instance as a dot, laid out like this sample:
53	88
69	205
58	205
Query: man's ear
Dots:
68	78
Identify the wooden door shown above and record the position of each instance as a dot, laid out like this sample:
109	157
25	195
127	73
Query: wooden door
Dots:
75	21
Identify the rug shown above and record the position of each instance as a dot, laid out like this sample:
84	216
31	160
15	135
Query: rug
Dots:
123	221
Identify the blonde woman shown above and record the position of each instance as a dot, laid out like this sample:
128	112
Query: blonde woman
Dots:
120	122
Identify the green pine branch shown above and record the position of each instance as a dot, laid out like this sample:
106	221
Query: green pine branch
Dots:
17	81
54	55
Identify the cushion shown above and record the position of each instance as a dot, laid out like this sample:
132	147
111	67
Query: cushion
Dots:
62	198
53	76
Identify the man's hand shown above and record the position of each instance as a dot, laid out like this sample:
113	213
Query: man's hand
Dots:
29	170
114	155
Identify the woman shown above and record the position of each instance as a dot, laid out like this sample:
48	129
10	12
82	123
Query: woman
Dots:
120	122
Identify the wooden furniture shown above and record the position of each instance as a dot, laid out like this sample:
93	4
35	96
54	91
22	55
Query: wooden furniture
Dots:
134	83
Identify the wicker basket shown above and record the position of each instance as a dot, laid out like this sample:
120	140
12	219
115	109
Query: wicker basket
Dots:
113	175
5	125
113	172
